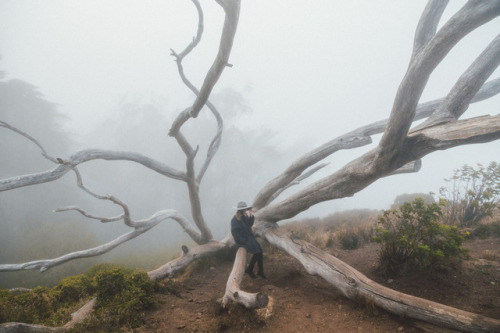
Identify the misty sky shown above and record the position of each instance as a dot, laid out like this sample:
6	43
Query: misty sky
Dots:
309	70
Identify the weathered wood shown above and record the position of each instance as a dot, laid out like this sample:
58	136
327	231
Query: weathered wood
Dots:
80	315
355	285
234	293
28	328
188	256
366	169
141	227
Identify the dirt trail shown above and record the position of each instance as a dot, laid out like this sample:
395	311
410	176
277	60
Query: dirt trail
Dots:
304	303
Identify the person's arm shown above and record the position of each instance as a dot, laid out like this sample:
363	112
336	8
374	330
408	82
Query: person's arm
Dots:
238	232
250	218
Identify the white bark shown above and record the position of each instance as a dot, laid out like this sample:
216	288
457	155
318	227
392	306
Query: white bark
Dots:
471	16
187	257
357	138
458	100
362	171
143	226
234	293
354	285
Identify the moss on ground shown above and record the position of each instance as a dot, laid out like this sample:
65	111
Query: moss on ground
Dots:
121	294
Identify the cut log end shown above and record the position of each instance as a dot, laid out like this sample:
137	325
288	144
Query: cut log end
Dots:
262	300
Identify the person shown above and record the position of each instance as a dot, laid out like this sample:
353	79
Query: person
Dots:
241	229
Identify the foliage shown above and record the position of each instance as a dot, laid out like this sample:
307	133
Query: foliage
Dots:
487	230
472	194
413	240
42	305
347	229
121	296
349	240
409	197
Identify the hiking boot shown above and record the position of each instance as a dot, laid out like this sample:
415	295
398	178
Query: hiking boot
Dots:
262	275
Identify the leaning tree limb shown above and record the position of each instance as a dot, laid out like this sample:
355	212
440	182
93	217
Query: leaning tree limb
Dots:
188	256
361	172
467	86
234	293
468	18
427	25
354	285
354	139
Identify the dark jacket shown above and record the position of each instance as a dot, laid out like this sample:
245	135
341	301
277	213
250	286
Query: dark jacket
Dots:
242	234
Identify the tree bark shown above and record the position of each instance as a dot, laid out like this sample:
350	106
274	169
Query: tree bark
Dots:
233	291
354	285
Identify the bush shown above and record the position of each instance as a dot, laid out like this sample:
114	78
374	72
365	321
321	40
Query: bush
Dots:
472	194
413	240
349	240
121	296
487	230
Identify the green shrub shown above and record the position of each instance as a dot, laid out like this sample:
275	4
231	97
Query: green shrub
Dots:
349	240
41	305
487	230
122	295
413	240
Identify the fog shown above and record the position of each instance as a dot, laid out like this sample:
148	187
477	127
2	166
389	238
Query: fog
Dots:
303	73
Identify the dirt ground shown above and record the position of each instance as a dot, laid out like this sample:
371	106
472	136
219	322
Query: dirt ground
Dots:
304	303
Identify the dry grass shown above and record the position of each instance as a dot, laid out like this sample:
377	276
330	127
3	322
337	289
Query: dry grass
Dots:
348	230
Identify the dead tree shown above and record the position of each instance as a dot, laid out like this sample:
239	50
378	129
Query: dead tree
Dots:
400	150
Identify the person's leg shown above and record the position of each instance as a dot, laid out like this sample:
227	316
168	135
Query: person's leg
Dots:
249	270
260	263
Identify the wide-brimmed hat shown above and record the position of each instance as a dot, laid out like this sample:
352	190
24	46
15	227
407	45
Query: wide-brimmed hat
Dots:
242	205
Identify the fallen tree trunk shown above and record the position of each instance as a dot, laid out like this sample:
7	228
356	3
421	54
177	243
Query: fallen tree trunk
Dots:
354	285
233	291
188	256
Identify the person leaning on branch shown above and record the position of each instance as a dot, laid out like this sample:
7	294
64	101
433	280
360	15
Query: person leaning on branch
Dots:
241	229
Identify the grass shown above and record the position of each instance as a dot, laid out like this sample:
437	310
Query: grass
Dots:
348	230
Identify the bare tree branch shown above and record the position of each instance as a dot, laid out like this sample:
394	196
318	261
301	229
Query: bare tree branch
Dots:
215	143
296	181
141	227
90	216
427	25
232	10
471	16
45	264
360	173
357	138
29	137
187	257
458	100
85	156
